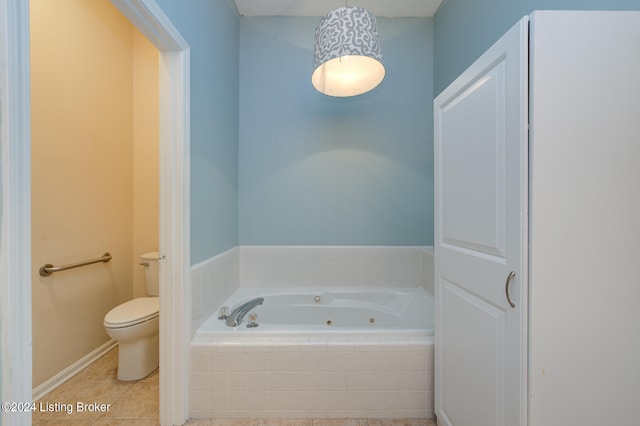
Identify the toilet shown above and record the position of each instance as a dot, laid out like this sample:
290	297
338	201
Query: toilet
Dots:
135	326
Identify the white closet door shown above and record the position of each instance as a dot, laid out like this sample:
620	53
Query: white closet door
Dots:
481	202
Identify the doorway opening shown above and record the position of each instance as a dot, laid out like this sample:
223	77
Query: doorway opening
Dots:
94	174
15	250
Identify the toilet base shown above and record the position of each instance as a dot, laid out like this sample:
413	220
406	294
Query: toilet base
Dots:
137	359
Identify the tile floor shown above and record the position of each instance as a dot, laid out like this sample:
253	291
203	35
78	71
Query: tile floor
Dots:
131	403
136	404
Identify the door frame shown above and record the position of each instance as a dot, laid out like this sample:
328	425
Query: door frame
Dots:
174	233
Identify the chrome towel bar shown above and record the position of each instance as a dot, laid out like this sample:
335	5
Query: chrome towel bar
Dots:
48	269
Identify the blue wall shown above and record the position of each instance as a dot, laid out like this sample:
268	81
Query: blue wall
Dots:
212	30
274	162
329	171
464	29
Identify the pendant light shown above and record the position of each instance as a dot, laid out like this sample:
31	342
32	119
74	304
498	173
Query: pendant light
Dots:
347	55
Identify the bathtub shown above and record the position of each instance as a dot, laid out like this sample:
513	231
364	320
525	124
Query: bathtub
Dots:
317	353
318	311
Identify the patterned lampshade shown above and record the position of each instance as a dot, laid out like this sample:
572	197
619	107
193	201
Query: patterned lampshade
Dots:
347	55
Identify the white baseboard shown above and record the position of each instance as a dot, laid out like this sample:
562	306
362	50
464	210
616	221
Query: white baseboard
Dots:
71	370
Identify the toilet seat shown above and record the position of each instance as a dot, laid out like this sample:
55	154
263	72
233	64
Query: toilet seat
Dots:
133	312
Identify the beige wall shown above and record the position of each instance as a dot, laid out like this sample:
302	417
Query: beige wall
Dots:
85	131
145	154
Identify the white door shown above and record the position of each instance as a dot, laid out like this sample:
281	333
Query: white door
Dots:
481	223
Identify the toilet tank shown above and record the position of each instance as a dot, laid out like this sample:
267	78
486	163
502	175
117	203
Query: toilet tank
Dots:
151	272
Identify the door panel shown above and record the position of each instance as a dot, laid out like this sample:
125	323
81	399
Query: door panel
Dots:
479	325
478	189
481	179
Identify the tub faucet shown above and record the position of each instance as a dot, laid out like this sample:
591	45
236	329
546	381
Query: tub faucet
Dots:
235	317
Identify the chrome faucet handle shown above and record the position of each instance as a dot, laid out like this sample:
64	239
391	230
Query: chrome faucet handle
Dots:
253	320
223	312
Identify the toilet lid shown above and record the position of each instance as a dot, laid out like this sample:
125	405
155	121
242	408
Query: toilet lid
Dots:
133	312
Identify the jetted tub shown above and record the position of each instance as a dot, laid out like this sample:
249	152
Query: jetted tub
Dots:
318	311
317	352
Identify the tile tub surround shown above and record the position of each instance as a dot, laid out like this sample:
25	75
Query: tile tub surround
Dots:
296	377
336	266
212	282
215	279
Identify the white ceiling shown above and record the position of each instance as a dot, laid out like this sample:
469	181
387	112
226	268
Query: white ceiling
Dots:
387	8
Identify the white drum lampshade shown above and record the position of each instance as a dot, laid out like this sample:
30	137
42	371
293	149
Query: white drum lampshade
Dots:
347	54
